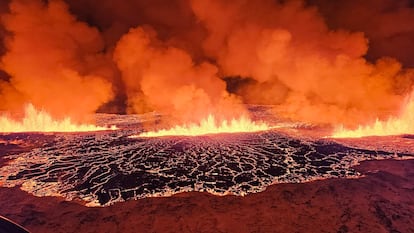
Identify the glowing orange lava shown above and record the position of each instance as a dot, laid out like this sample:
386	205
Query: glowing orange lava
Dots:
210	126
40	121
403	124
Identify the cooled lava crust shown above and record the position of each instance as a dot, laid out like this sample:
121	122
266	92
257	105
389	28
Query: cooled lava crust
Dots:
104	168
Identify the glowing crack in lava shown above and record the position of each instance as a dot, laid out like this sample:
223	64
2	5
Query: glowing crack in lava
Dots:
210	126
40	121
403	124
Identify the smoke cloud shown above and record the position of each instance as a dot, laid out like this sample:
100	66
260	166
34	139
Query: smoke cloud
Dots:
165	78
54	61
337	62
312	73
386	23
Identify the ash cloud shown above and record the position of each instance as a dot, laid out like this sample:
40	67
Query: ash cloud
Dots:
316	60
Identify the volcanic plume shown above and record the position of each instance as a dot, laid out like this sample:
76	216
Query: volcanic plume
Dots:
165	78
192	58
387	24
265	103
54	61
291	58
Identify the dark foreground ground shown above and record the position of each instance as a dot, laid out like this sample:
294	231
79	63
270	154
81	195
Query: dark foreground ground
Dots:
382	201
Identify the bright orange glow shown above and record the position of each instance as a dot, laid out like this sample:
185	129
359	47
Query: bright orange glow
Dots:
210	126
403	124
40	121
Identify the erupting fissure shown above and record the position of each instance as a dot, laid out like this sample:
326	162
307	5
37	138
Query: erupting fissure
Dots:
210	126
306	60
402	124
40	121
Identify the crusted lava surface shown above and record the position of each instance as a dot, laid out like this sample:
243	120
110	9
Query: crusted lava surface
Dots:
103	168
67	171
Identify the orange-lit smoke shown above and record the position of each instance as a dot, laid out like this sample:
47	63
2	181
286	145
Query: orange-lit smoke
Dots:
54	61
172	57
387	24
313	73
165	78
403	123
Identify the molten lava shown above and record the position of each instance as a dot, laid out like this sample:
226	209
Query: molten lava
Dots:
403	124
210	126
40	121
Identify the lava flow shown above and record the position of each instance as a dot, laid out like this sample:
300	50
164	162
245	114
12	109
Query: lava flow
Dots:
210	126
40	121
402	124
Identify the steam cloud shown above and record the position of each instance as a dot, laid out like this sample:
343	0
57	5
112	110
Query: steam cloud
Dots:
310	59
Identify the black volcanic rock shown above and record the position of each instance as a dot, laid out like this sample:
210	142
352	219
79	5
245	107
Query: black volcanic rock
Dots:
113	167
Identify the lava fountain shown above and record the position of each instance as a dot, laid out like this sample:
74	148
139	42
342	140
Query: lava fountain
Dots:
209	125
40	121
402	124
